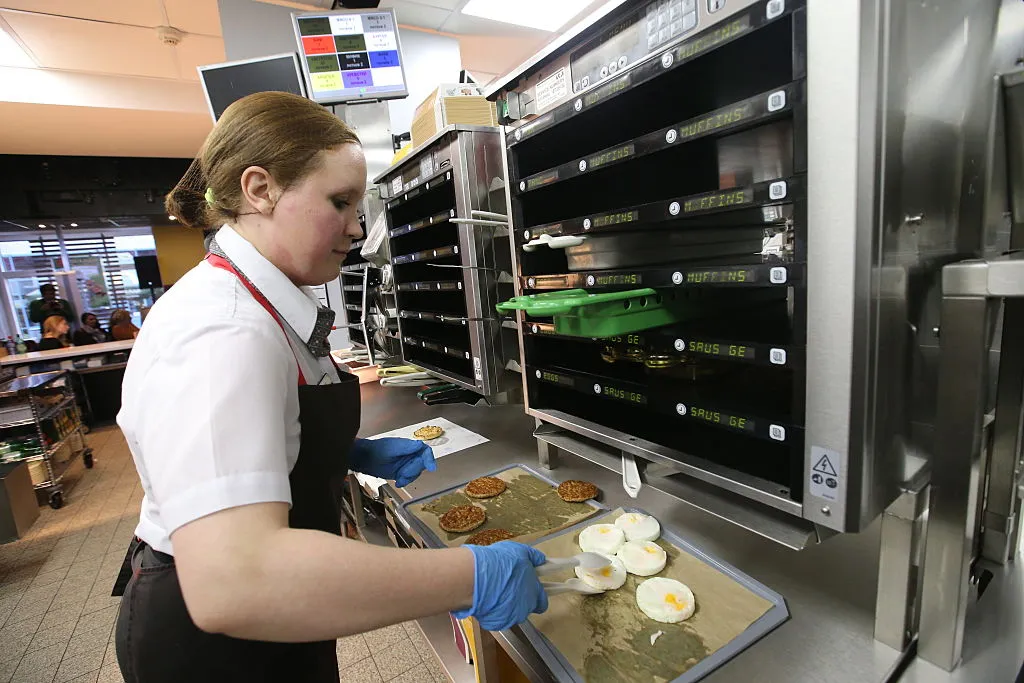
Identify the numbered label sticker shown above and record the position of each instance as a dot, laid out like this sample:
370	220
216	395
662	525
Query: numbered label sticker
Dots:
777	432
777	190
777	356
775	8
777	100
778	276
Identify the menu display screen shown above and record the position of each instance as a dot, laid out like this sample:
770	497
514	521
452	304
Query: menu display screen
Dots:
351	55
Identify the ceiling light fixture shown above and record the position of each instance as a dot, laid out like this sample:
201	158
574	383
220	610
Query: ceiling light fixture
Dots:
12	53
545	15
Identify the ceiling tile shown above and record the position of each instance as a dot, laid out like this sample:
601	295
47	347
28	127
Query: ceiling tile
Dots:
464	24
194	16
196	51
135	12
443	4
413	14
92	131
72	44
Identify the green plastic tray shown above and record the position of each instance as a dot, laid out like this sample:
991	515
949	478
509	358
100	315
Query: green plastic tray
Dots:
579	313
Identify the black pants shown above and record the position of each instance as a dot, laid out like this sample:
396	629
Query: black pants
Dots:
158	642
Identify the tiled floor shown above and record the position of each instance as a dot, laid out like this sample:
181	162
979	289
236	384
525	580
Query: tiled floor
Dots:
56	613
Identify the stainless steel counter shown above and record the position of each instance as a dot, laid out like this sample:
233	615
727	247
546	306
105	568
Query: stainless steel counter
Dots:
829	588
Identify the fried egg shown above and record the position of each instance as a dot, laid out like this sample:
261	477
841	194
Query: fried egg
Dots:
639	527
643	558
665	600
605	539
607	578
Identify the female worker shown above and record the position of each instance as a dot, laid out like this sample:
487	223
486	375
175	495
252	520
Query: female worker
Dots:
239	570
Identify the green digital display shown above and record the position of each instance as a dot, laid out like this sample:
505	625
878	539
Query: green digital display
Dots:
541	180
716	120
718	200
631	339
607	90
721	276
724	419
722	350
617	218
553	229
624	395
535	125
611	156
555	378
618	279
713	39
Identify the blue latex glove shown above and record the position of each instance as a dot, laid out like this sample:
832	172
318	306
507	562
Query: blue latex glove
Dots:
505	585
392	458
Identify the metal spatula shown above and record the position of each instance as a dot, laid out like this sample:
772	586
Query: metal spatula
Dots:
570	586
587	561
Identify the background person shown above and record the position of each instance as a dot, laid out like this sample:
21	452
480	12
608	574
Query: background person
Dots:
90	331
55	330
121	326
50	304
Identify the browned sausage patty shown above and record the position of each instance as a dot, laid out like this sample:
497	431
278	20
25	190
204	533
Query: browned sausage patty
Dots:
485	487
575	491
462	518
489	536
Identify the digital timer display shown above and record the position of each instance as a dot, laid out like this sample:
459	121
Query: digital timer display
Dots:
624	395
536	125
724	419
716	120
618	279
724	276
720	35
611	156
617	218
718	200
555	378
631	339
723	350
607	90
542	180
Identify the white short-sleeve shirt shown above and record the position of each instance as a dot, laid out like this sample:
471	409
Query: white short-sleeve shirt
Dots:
210	406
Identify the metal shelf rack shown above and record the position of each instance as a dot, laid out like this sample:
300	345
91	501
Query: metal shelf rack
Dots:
47	402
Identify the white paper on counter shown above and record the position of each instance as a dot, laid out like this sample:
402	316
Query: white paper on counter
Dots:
454	439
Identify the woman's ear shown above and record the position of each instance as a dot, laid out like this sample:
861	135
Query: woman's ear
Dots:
259	189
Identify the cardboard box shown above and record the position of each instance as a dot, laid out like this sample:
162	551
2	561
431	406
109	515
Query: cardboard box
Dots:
451	103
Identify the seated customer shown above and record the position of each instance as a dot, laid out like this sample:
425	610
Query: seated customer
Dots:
54	330
90	332
121	327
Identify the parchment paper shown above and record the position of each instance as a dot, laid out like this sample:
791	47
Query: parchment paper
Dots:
607	639
529	508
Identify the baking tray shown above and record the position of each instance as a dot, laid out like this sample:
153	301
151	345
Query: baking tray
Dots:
433	540
775	615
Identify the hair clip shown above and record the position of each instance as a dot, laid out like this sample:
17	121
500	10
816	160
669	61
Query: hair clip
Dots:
209	196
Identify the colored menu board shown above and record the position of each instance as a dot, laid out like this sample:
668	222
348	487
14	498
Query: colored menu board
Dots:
351	55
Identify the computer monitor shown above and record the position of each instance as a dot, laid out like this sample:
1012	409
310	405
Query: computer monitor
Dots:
230	81
351	55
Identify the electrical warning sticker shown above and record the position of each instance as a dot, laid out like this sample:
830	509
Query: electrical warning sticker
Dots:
825	473
552	89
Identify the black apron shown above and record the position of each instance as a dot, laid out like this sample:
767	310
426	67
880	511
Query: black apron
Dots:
156	638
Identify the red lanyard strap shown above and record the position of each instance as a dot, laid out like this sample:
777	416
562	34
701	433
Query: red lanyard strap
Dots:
224	264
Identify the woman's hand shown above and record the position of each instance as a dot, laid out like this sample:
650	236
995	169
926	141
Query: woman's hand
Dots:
402	460
506	589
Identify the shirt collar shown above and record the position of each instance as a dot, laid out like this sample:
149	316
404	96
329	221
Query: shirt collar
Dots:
295	304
